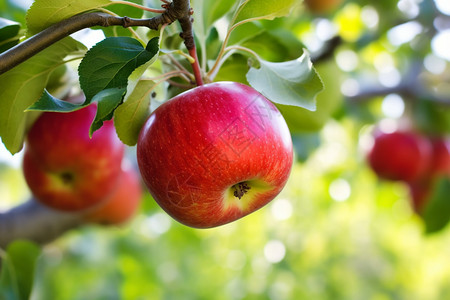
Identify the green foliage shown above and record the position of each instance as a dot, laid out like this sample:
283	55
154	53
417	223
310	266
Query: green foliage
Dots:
49	103
437	212
108	100
111	70
433	118
9	31
369	245
209	12
17	270
250	10
44	13
328	101
11	10
23	85
293	82
104	74
109	63
123	10
132	114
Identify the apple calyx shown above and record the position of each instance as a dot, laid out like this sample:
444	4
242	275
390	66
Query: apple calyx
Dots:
63	180
240	189
67	178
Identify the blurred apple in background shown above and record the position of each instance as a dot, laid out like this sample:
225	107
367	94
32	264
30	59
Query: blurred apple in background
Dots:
400	155
440	163
122	204
65	168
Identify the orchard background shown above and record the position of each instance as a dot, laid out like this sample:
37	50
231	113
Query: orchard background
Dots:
337	230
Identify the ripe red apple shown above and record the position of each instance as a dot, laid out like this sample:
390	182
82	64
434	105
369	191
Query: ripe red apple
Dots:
66	169
420	192
214	154
440	163
400	155
123	202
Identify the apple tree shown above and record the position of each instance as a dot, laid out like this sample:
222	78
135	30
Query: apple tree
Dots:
209	110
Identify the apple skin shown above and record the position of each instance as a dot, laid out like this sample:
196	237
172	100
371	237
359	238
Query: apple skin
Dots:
195	149
440	163
64	168
122	203
400	155
420	192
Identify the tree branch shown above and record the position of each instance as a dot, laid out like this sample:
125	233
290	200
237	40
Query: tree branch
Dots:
35	222
411	87
56	32
187	35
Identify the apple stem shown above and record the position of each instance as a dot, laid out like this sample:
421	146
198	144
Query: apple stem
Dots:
196	66
240	189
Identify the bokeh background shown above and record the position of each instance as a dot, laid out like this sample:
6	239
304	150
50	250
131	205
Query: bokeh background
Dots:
336	231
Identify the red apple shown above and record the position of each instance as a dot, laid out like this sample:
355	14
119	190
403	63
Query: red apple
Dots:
122	204
214	154
420	192
65	168
400	155
440	163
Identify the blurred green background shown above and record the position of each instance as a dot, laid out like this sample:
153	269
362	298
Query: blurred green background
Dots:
336	231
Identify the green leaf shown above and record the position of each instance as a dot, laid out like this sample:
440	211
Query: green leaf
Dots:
9	289
209	12
431	116
251	10
24	85
44	13
107	100
245	32
273	46
132	114
17	273
110	62
13	10
8	28
292	82
234	69
437	211
305	144
49	103
9	31
328	101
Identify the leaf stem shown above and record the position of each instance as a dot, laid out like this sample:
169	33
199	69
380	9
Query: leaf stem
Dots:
169	74
222	51
153	10
227	52
133	32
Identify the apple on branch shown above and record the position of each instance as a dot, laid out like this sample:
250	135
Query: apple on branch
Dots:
400	155
440	163
214	154
64	168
